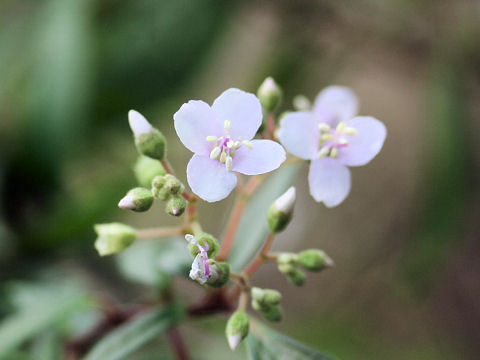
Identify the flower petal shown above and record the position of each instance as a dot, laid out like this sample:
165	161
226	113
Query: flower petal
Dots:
264	156
194	121
329	181
299	134
209	178
366	144
335	104
242	109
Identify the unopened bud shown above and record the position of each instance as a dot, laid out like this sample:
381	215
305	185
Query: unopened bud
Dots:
280	212
270	95
176	205
274	313
287	258
219	273
113	238
314	260
149	141
207	241
237	328
146	169
165	186
289	269
266	297
138	199
302	103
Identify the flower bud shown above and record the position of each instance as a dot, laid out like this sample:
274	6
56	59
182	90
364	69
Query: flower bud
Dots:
219	273
138	199
280	212
295	276
149	141
113	238
302	103
165	186
270	95
237	328
208	242
145	170
314	260
176	205
266	297
274	313
287	258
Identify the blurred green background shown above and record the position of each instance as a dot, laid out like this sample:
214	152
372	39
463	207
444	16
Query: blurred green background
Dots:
405	242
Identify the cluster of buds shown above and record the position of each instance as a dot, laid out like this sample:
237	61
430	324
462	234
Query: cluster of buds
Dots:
267	302
314	260
168	188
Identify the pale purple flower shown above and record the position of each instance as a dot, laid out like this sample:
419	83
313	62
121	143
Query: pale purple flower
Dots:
220	138
332	137
200	270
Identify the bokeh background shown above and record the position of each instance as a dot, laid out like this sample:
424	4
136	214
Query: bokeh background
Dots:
405	242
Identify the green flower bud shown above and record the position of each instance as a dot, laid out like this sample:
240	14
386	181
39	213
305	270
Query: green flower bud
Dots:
296	277
314	260
138	199
287	258
237	328
113	238
176	205
205	240
274	313
301	103
287	265
149	141
219	273
146	169
266	297
270	95
280	212
165	186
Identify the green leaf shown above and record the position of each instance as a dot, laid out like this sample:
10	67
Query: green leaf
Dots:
264	343
253	226
129	337
146	259
38	307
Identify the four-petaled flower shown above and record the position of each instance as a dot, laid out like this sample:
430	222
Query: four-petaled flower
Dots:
200	268
332	138
220	138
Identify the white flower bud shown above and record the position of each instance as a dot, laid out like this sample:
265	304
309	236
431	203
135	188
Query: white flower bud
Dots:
138	123
281	211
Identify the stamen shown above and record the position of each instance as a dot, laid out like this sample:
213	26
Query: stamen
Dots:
341	126
226	125
211	138
215	152
247	144
334	152
350	131
229	163
230	144
323	152
326	137
223	156
323	127
343	141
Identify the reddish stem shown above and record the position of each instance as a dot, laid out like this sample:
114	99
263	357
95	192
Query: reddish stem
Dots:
262	256
177	344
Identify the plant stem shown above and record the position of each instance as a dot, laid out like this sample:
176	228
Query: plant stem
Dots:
159	232
270	126
236	215
177	344
262	256
243	300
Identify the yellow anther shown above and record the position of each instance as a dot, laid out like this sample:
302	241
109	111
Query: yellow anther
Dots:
334	152
350	131
212	138
215	152
341	126
236	144
326	137
223	156
230	144
323	152
247	144
323	127
229	163
226	125
343	141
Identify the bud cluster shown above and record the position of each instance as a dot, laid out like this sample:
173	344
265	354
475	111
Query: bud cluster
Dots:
168	188
267	302
314	260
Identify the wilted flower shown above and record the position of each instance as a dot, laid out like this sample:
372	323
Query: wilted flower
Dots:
219	136
332	138
200	268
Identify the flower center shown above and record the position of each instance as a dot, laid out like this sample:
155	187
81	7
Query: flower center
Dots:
225	146
333	139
